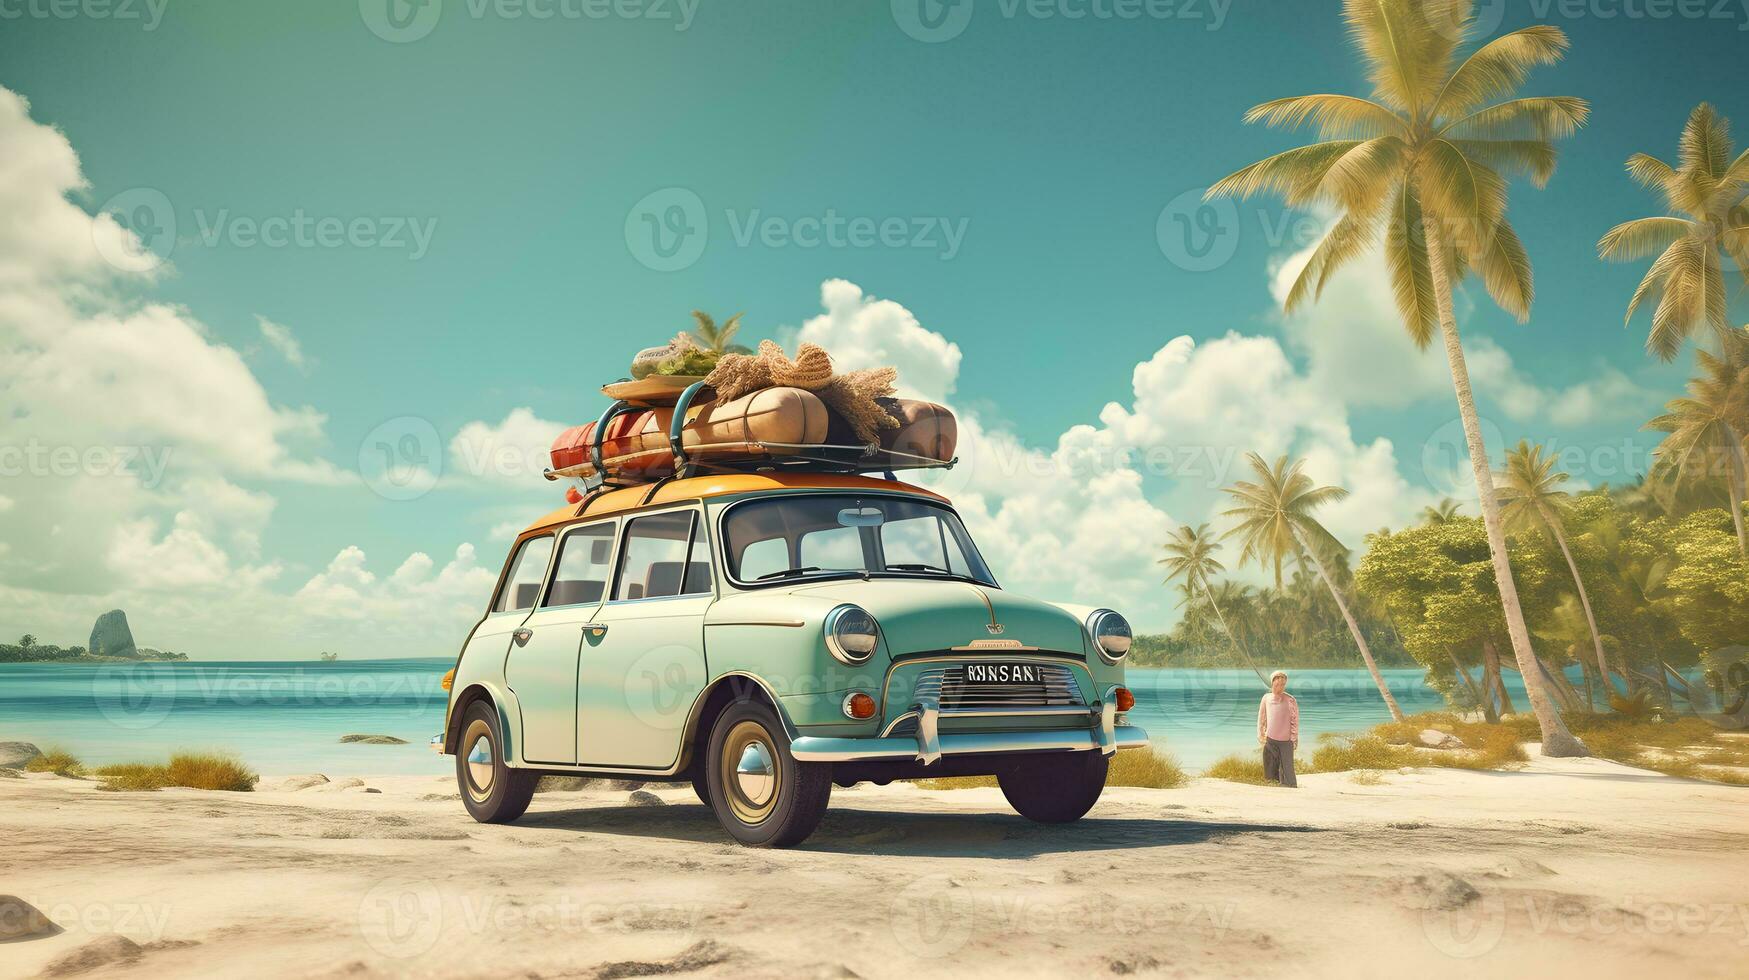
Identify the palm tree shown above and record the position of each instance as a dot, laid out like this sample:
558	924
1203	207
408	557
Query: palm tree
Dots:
1531	498
1707	431
1441	513
719	338
1190	555
1421	168
1709	227
1275	521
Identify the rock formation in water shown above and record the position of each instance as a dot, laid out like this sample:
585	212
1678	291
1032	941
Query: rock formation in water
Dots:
110	636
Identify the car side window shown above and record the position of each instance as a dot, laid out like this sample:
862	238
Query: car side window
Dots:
527	570
663	557
585	562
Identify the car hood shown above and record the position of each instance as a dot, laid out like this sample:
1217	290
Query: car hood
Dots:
917	616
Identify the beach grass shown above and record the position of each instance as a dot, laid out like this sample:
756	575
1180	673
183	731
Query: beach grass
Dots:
56	760
1684	746
1149	769
193	770
1238	769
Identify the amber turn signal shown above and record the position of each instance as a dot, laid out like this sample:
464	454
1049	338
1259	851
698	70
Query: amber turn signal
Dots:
449	679
859	706
1125	700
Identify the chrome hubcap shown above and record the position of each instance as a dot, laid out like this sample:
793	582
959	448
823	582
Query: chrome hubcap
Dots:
480	769
751	775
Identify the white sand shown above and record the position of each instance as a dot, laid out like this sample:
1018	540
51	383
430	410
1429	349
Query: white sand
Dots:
1568	869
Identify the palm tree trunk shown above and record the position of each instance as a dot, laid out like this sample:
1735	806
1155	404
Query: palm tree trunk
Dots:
1557	741
1491	657
1485	700
1353	628
1554	525
1231	636
1737	465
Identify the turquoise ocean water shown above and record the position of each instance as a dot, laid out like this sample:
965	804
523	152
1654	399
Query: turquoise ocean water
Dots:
288	717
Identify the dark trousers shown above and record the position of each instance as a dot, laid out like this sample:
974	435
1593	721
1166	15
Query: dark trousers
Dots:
1278	762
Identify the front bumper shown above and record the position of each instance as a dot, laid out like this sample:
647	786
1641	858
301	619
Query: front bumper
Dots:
1102	732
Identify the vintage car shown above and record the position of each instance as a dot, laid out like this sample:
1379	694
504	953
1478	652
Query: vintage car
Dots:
766	635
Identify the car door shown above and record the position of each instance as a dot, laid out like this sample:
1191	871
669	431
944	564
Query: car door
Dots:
643	661
542	667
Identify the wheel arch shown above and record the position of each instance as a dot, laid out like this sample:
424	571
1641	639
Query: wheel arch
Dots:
722	692
479	691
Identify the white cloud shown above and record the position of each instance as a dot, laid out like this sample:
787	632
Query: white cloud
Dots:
281	339
1357	350
513	452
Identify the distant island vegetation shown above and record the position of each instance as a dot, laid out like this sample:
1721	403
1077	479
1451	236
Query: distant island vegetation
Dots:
111	642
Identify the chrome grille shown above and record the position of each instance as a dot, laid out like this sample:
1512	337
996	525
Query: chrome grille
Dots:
951	690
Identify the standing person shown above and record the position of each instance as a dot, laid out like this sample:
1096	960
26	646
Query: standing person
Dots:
1278	730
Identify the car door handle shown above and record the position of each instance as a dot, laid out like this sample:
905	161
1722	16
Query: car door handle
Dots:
596	629
521	636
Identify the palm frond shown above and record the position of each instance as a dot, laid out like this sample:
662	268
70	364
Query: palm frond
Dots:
1411	272
1541	118
1295	174
1500	67
1348	238
1534	159
1641	237
1705	146
1360	179
1649	171
1505	269
1332	115
1402	49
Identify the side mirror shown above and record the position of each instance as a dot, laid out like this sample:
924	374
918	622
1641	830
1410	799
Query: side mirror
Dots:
861	517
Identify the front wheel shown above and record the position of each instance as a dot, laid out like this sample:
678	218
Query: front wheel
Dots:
1057	788
491	790
762	796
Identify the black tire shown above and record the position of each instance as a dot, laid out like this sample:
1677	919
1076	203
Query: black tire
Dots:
783	809
700	784
1056	788
491	790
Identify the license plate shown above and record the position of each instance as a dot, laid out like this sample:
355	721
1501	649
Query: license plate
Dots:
986	673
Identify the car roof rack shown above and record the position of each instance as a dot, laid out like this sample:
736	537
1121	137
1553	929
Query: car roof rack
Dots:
791	457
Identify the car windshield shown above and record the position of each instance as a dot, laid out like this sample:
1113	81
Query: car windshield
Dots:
807	535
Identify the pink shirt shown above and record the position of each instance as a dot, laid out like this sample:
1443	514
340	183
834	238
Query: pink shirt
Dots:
1278	717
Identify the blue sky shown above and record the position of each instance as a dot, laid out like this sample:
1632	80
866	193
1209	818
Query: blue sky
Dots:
497	165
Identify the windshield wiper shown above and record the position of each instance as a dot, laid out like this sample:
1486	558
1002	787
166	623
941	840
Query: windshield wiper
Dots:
789	572
918	566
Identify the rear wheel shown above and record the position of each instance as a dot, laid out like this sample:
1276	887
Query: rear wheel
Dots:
762	796
1056	788
491	790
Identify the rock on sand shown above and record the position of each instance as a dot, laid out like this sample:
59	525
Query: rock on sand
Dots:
295	783
19	918
1435	739
373	739
644	797
17	755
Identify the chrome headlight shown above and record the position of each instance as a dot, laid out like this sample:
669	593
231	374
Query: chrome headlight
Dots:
1111	634
851	634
